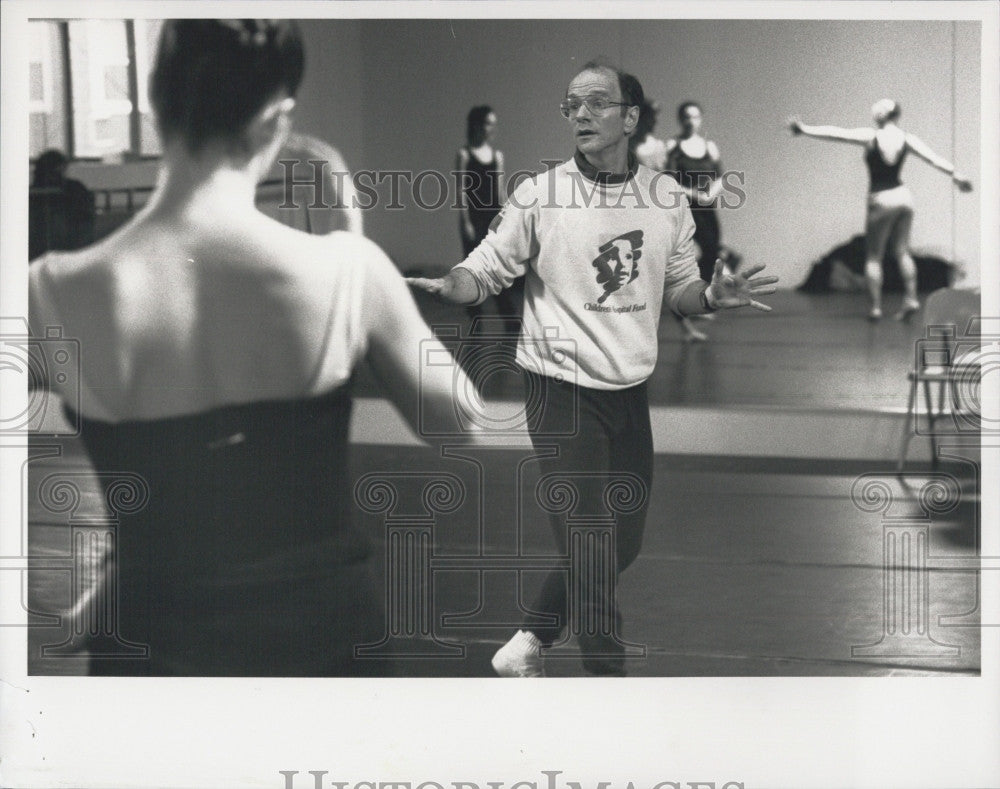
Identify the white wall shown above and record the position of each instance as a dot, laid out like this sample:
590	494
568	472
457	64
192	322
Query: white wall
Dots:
393	94
804	196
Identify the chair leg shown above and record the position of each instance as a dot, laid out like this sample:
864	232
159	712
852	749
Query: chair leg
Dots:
907	428
942	399
931	423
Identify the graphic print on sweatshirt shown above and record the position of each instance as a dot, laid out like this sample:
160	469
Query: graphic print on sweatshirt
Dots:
618	262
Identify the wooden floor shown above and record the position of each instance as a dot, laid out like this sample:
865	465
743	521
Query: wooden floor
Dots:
815	351
753	564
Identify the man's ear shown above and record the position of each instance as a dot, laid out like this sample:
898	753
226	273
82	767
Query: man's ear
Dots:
631	119
273	121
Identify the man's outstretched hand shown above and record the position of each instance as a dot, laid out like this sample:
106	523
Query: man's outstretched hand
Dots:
456	287
728	291
434	286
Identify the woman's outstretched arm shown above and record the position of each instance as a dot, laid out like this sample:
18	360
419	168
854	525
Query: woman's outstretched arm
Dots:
417	373
861	136
921	149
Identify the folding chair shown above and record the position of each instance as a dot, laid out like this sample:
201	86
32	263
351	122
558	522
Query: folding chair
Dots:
948	356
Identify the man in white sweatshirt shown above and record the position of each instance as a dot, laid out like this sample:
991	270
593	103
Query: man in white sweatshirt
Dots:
602	242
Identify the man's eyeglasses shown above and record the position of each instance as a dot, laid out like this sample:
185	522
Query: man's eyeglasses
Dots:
595	106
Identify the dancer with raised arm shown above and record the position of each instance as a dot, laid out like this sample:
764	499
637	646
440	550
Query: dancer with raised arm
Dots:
890	203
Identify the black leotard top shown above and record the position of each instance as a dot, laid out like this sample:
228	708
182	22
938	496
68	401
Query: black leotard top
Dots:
246	537
882	174
691	172
482	188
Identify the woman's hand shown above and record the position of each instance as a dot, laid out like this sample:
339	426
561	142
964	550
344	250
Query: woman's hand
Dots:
963	183
703	197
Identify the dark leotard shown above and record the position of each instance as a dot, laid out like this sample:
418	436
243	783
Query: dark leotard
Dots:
244	560
481	184
699	174
882	174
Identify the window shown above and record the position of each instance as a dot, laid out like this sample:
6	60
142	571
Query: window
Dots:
147	33
47	120
88	87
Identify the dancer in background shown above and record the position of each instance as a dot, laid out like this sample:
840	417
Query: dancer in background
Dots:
652	152
479	167
890	203
480	171
696	164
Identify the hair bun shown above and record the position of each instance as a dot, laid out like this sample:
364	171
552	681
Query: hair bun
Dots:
212	75
250	32
263	32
